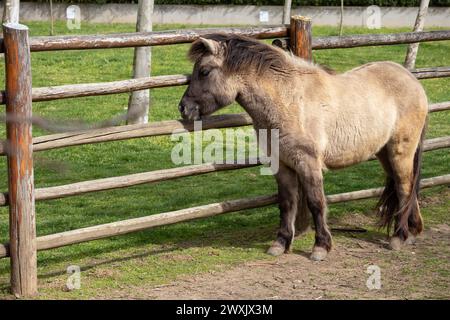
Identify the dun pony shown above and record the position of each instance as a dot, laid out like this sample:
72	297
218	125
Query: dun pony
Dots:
325	121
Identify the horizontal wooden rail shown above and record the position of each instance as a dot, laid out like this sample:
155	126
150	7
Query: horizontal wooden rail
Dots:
155	38
167	218
116	133
78	188
440	106
431	144
137	224
436	143
123	86
430	73
60	140
363	40
145	39
131	180
375	192
103	88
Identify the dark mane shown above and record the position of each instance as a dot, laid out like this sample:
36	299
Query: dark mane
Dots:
243	53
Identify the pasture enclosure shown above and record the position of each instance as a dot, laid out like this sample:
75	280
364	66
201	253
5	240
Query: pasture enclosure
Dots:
19	147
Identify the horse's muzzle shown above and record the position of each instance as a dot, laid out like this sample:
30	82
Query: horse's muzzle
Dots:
189	113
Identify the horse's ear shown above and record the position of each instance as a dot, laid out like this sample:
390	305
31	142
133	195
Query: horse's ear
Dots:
211	46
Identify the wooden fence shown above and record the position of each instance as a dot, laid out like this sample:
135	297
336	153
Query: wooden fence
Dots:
20	145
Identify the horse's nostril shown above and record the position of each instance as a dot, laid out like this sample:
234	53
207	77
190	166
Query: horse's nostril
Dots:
181	108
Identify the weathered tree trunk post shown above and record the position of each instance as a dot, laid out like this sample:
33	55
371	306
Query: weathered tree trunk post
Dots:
413	48
301	37
22	226
341	20
287	11
139	102
52	19
11	11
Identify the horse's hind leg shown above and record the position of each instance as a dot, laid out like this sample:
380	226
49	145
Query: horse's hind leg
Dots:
288	198
408	221
403	154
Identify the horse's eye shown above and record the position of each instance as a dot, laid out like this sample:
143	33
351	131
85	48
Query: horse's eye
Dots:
204	72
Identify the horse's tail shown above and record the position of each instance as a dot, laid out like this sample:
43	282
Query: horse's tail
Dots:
388	205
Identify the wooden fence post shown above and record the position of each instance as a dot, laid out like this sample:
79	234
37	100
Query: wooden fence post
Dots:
22	226
301	37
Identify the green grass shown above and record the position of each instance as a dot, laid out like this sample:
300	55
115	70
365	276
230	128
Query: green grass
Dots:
159	255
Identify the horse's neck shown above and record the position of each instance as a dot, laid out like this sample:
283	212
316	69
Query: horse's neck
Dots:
258	104
264	102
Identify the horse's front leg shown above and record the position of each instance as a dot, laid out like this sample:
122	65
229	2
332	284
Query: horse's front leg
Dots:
304	158
312	183
288	198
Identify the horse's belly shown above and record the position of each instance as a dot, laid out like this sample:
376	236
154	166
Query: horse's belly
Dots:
346	151
345	159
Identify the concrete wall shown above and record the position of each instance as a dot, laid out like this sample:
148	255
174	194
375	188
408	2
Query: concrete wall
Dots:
226	15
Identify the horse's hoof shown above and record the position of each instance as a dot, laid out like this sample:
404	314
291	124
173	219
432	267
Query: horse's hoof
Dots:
318	254
411	239
395	243
276	249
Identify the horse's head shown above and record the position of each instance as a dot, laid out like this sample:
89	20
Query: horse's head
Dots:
211	85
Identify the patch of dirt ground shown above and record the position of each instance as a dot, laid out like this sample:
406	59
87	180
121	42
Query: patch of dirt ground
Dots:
420	271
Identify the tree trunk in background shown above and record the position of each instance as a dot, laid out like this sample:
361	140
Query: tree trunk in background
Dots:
139	102
287	11
11	11
341	23
52	31
411	54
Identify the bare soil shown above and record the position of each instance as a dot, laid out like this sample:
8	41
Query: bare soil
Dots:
420	271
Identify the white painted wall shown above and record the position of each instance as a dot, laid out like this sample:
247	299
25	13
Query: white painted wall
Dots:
237	15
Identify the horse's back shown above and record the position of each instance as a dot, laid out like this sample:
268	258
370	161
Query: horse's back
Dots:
406	92
395	81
